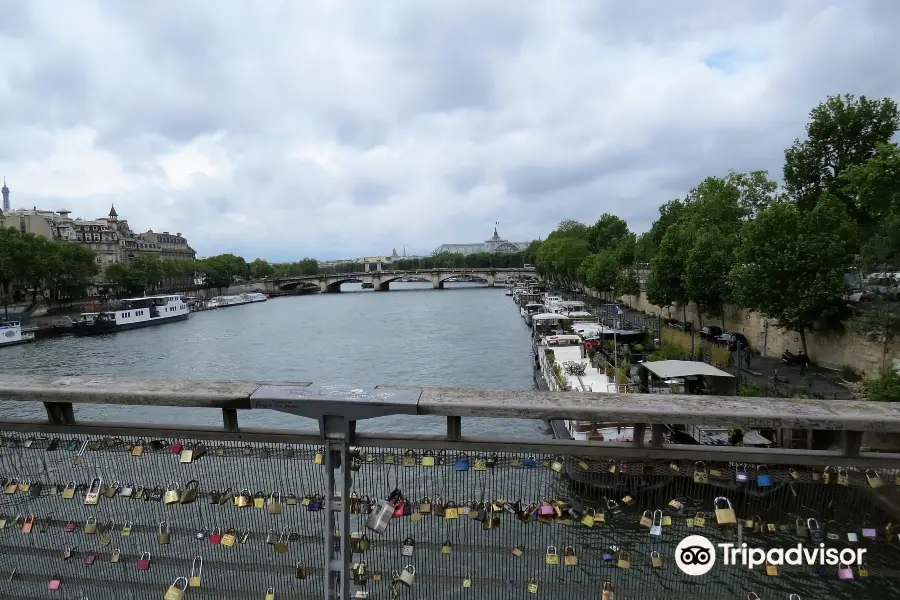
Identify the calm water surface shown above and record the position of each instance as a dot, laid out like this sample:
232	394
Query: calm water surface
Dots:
464	336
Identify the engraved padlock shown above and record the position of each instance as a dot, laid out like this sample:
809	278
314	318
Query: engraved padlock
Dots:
93	493
655	559
607	593
570	559
281	546
701	474
408	575
177	589
407	547
273	504
242	500
552	557
740	474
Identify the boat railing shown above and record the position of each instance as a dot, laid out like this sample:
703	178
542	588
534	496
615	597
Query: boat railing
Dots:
295	450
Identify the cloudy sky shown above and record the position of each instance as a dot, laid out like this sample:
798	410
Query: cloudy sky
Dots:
293	128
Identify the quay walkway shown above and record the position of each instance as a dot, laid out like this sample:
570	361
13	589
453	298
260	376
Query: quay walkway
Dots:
107	510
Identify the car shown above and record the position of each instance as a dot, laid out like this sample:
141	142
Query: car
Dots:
710	333
733	340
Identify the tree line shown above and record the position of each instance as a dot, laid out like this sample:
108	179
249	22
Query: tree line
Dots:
786	252
33	267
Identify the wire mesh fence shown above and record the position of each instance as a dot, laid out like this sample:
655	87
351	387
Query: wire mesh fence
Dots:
246	521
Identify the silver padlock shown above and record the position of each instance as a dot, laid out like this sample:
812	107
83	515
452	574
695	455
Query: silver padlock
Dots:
656	526
408	575
379	518
361	595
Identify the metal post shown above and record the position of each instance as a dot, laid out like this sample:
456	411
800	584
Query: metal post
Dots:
337	408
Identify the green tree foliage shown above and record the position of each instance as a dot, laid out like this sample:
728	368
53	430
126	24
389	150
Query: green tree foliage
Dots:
306	266
600	271
885	388
842	132
791	264
32	266
879	322
706	263
606	233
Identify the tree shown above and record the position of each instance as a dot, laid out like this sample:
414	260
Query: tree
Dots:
879	322
874	189
627	283
665	283
260	269
599	271
607	232
790	264
842	132
706	272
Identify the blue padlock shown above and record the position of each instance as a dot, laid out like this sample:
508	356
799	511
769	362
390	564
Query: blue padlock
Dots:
462	462
530	463
763	479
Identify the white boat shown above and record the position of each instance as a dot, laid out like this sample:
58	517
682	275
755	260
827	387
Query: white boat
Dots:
254	297
132	313
212	304
531	309
550	302
11	334
568	351
237	300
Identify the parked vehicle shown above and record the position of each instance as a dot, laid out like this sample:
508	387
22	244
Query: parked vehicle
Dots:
800	359
710	333
733	340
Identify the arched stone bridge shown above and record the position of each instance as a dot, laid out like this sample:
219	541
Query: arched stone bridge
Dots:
382	279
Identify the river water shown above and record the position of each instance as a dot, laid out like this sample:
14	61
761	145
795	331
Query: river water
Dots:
467	336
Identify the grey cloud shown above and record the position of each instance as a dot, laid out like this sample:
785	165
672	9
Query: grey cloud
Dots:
333	132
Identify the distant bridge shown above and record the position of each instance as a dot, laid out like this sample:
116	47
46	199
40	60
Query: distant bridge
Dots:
382	279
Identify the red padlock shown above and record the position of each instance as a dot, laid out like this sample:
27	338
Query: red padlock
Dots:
399	508
176	447
216	536
144	563
28	525
54	583
90	558
71	526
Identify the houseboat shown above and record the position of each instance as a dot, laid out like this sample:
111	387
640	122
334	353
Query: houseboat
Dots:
531	309
11	334
132	313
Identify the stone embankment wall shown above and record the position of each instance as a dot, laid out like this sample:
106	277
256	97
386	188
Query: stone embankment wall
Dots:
832	349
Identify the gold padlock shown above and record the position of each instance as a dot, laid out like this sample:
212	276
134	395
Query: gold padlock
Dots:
771	570
607	592
320	458
259	500
624	561
138	448
428	458
533	586
163	533
701	474
518	551
90	526
270	594
172	494
409	459
588	518
116	555
843	477
273	504
196	572
451	511
242	500
699	520
69	491
646	519
425	506
874	479
467	582
447	548
187	455
229	538
656	559
724	512
556	465
570	559
552	558
177	589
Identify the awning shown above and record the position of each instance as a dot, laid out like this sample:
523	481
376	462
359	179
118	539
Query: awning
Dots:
669	369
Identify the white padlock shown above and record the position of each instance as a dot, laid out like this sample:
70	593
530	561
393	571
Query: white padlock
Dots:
408	575
656	526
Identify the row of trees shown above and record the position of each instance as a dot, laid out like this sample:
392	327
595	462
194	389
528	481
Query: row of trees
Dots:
783	252
33	267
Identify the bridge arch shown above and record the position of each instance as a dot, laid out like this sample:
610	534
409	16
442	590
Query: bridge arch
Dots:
335	285
443	277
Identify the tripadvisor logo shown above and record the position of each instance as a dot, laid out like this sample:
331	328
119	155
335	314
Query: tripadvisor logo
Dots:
695	555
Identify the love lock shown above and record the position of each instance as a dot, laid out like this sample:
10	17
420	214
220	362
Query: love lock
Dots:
408	575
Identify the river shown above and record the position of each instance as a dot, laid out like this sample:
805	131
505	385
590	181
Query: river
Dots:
467	336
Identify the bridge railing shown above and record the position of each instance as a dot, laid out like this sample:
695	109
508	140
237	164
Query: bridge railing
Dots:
482	516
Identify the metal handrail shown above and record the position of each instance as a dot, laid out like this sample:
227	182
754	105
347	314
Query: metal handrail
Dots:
851	418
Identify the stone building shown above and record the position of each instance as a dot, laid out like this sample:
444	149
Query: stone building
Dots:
171	247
